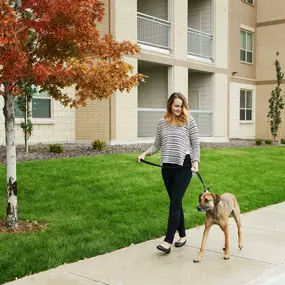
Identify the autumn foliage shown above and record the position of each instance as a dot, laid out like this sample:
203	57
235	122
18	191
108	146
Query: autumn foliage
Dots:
55	43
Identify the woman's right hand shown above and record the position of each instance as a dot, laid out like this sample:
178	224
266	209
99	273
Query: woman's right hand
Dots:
140	157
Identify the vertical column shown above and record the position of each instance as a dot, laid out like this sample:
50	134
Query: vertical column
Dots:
124	105
178	80
221	37
178	15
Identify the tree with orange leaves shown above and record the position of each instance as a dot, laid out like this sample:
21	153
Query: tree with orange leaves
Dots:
54	44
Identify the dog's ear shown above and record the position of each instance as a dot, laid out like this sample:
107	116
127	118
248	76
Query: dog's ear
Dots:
217	199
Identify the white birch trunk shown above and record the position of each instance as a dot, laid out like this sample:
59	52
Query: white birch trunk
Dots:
26	122
11	180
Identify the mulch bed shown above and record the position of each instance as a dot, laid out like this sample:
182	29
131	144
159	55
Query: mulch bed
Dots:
23	227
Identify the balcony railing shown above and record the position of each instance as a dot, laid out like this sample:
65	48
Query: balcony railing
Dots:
149	117
153	31
204	120
200	43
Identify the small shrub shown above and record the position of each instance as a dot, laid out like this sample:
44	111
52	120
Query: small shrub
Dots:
56	148
98	145
268	141
282	141
258	141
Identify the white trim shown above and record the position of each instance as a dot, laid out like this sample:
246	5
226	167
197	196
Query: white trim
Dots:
151	140
246	122
243	78
151	109
214	139
153	49
198	58
201	111
247	28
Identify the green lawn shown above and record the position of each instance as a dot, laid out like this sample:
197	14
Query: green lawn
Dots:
95	205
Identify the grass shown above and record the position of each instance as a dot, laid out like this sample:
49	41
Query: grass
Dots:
95	205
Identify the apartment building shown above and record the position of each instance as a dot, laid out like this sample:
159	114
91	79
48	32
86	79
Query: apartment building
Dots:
218	53
184	48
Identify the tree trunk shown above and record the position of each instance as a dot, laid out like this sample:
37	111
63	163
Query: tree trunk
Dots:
26	122
11	180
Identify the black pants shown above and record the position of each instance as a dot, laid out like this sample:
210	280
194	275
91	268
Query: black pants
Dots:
176	180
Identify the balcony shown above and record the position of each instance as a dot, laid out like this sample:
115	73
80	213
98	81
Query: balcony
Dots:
200	44
153	31
149	117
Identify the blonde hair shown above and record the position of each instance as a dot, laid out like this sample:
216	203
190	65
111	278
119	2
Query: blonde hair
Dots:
183	118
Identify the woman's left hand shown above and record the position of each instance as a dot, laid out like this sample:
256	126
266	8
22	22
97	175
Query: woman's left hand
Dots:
195	167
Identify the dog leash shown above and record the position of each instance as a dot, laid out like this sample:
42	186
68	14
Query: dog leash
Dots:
206	189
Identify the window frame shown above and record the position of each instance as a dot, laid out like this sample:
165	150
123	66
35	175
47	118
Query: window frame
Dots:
36	120
246	1
245	108
38	96
246	50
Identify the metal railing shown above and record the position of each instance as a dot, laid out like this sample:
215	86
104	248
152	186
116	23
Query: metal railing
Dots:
153	31
149	117
200	43
204	122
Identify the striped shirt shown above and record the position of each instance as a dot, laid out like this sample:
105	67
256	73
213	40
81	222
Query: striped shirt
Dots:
176	141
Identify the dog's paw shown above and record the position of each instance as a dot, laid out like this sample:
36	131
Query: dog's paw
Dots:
226	257
240	246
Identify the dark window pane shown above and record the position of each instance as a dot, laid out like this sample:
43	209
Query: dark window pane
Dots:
242	115
242	55
249	99
18	113
248	115
249	56
242	99
41	108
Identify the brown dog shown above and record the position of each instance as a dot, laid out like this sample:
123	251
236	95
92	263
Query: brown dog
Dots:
218	209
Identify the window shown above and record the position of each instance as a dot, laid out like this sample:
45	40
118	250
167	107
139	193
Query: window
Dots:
17	112
246	46
245	105
41	106
251	2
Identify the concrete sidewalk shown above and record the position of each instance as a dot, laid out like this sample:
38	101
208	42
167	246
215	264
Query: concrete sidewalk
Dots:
260	262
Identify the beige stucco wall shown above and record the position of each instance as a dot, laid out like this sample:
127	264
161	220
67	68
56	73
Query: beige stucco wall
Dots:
270	39
270	10
240	129
60	128
262	108
241	15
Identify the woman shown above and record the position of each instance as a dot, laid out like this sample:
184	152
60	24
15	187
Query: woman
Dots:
177	137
